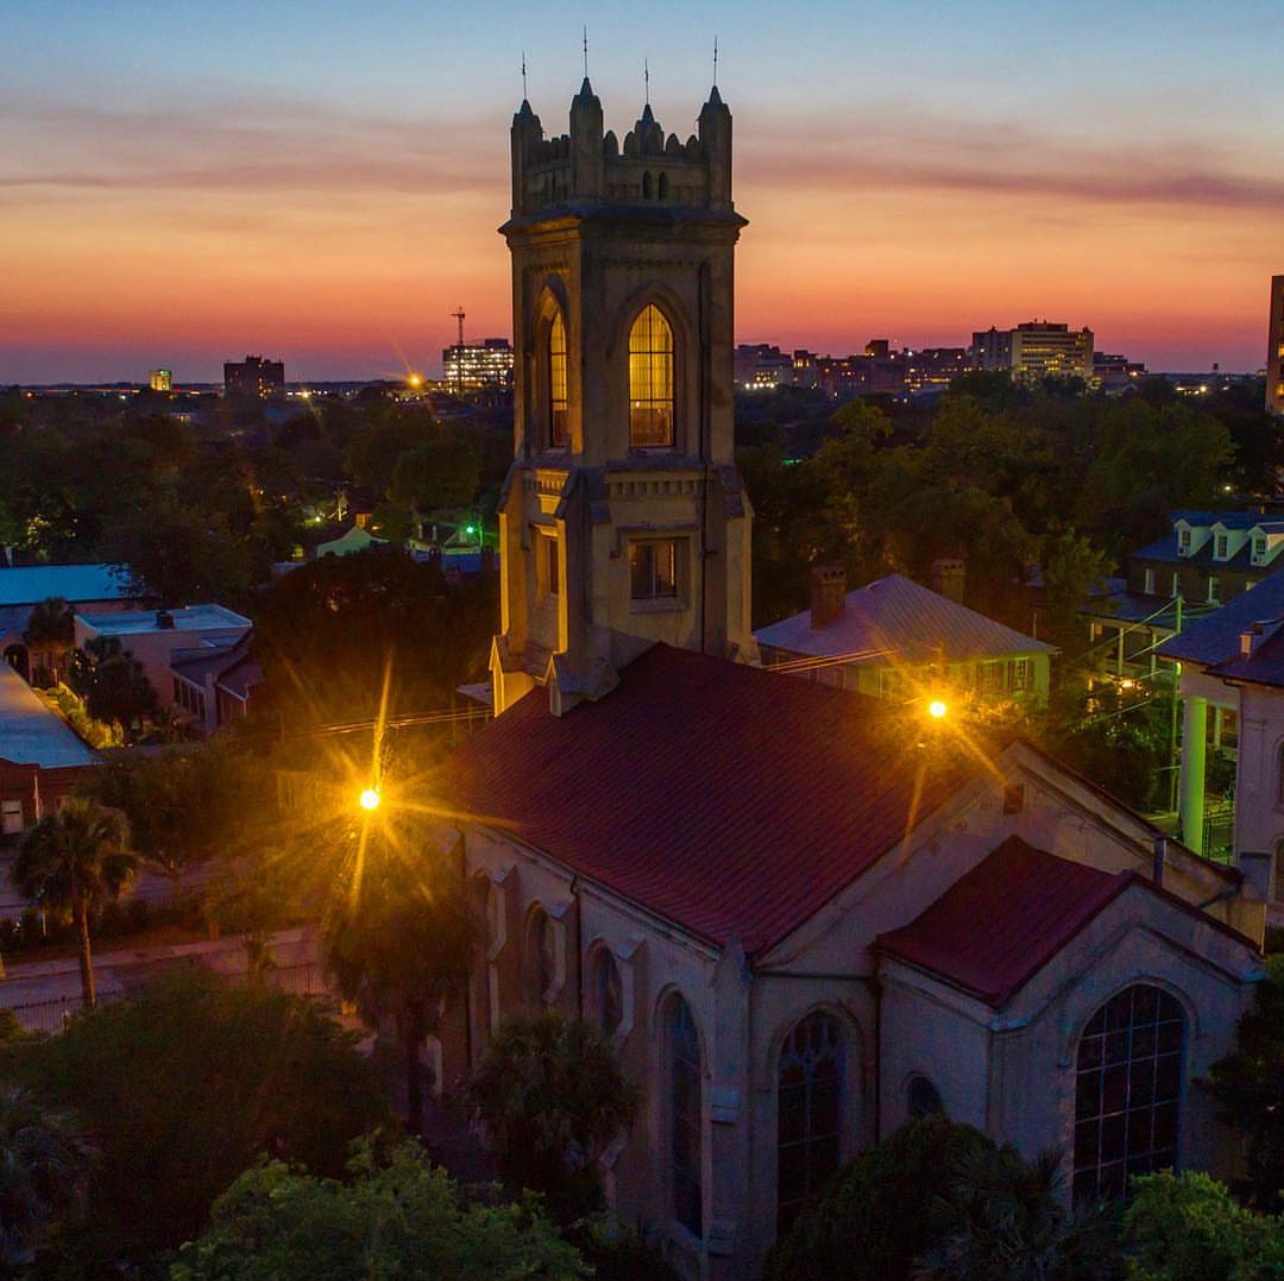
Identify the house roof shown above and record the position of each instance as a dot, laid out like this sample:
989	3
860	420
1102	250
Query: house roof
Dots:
1215	638
721	797
896	618
996	927
30	734
139	622
30	584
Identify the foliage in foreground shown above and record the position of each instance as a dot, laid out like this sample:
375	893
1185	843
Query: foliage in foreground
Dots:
1249	1086
552	1096
400	1218
182	1090
939	1201
1189	1228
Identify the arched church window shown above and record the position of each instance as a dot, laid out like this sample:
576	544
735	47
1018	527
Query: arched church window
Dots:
650	380
809	1090
924	1099
1128	1076
646	185
608	992
685	1128
557	394
1279	775
662	187
541	958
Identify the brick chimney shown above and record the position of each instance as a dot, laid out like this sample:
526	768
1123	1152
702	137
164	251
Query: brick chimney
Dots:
828	593
948	578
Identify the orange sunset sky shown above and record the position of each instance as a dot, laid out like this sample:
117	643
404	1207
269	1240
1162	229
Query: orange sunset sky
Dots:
323	185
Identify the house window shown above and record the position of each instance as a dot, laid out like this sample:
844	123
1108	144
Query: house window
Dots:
1149	584
1183	542
1220	545
809	1090
1020	675
1212	590
654	569
541	959
11	817
1259	549
923	1098
650	380
685	1113
1127	1092
1174	587
557	399
608	992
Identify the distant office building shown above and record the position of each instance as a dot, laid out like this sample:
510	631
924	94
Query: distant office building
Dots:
254	376
470	368
1113	372
1275	353
933	368
161	380
1035	350
762	367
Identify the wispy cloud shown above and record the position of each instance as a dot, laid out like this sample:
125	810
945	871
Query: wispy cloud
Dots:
895	150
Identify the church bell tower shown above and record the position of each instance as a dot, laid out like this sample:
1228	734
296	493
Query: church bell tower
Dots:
623	519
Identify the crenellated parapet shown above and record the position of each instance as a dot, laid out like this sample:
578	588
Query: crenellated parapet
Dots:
650	169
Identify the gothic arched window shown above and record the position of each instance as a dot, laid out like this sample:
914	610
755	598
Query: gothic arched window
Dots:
557	394
1128	1076
541	958
685	1118
608	992
809	1092
650	380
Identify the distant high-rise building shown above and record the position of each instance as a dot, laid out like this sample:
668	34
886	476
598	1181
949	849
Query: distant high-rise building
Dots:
1275	353
1035	350
469	367
253	376
161	380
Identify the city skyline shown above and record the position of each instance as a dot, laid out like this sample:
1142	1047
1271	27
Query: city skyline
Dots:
182	191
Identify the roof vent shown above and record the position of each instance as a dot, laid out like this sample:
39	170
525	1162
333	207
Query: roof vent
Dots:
164	620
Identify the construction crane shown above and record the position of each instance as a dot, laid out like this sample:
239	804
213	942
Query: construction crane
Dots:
458	314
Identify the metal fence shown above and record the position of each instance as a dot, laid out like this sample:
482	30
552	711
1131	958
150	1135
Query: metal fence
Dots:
305	979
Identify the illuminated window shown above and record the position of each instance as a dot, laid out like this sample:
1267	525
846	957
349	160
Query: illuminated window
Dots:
650	380
548	565
685	1111
809	1089
1212	590
1127	1092
1174	588
1149	582
654	569
557	381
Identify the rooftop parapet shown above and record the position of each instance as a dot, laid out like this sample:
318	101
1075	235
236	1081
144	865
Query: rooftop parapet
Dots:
650	169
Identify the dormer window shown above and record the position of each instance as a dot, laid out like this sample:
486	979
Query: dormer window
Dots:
1259	548
1220	546
1183	541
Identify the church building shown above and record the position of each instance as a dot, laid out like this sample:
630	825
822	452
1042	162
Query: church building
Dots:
800	914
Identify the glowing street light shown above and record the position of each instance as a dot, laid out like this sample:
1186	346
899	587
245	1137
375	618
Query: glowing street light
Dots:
370	798
937	709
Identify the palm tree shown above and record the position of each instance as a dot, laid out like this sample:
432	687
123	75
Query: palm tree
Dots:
73	862
400	943
50	634
44	1164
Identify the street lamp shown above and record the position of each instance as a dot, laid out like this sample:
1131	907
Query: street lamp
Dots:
370	798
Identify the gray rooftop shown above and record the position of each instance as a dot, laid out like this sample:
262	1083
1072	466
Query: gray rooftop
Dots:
138	622
895	618
30	733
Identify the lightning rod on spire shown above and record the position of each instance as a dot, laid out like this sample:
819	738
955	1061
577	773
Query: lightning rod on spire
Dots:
715	62
524	93
586	53
646	80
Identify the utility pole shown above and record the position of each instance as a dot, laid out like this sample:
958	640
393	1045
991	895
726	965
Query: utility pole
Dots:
458	314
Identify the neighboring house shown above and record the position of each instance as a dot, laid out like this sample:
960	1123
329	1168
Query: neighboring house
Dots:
214	688
41	759
93	588
800	921
357	539
895	639
1209	558
162	641
1231	673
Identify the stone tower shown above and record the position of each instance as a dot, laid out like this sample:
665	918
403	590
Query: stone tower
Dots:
623	519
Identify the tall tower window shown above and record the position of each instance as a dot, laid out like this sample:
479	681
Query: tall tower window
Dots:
557	381
685	1113
650	380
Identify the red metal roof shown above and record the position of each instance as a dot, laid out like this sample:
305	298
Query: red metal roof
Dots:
996	927
719	796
